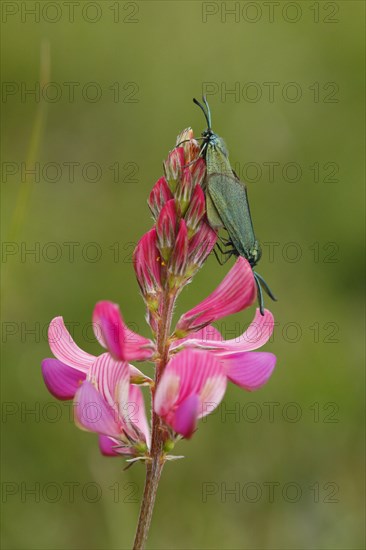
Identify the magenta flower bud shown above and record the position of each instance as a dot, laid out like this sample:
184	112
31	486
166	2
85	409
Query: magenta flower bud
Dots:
198	170
166	229
200	246
147	264
196	211
173	167
178	260
184	190
159	195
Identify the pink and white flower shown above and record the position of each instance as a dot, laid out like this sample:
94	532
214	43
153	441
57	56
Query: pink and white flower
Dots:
107	380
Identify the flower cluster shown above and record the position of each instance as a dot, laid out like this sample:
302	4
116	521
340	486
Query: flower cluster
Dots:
193	363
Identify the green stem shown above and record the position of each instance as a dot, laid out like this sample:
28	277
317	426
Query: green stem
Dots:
155	465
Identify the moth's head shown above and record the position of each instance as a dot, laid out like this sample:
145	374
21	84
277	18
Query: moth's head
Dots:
254	254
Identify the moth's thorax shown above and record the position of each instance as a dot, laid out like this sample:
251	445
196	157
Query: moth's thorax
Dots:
216	154
210	138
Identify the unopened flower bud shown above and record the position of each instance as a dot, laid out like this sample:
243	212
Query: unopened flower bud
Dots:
198	169
147	264
159	195
173	167
195	211
178	260
200	247
184	190
189	144
166	229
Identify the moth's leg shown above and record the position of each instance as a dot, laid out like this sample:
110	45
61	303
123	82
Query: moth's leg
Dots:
221	262
260	293
187	140
266	287
226	242
227	253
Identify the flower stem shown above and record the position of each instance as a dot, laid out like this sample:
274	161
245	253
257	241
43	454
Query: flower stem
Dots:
155	465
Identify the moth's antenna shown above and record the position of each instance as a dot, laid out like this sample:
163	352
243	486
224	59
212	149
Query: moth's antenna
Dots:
208	111
260	293
207	117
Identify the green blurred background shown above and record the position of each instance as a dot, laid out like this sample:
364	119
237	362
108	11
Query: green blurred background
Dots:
147	60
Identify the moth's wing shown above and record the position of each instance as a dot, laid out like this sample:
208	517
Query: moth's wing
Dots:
229	197
212	214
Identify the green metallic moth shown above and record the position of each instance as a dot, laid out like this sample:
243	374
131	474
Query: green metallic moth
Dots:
227	203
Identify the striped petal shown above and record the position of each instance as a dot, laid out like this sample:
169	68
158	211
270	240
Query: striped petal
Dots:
114	335
189	373
61	380
257	334
249	370
64	348
136	414
236	292
111	378
92	413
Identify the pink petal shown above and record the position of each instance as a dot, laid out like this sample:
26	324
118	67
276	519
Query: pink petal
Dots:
190	372
186	416
113	334
257	334
111	378
107	445
249	370
136	414
206	334
167	392
236	292
65	349
61	380
92	413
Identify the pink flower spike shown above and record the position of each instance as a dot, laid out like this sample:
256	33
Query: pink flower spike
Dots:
196	210
236	292
159	196
200	246
189	374
178	260
147	264
249	370
166	229
173	167
64	348
112	333
61	380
